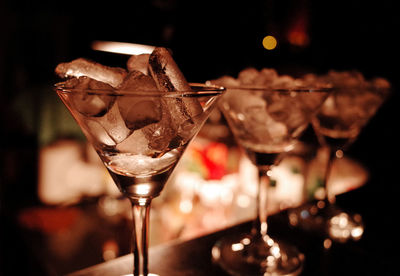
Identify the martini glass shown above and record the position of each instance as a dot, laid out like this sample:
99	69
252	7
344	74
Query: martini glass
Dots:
140	136
337	125
265	123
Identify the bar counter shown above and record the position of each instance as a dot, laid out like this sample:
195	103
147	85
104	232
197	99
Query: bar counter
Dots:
374	254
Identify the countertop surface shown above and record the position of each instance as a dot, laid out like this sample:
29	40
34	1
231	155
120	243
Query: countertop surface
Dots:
374	254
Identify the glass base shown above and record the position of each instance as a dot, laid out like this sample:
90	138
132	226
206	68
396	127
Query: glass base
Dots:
327	219
244	255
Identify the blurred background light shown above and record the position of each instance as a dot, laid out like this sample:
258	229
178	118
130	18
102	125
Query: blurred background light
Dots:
269	42
122	47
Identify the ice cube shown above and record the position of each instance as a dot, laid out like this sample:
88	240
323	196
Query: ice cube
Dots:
381	87
263	126
139	63
114	124
86	83
165	71
248	76
169	78
138	81
266	77
251	77
240	99
380	83
136	143
96	133
138	111
226	81
107	130
349	79
82	67
91	101
173	130
288	108
315	81
284	82
161	134
90	104
247	110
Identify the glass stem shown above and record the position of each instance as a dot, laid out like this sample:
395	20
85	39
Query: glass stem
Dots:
329	196
260	225
140	233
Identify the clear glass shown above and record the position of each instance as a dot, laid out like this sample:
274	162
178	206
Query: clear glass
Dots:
337	125
140	136
265	123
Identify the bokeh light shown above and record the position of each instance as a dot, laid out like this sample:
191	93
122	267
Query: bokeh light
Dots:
269	42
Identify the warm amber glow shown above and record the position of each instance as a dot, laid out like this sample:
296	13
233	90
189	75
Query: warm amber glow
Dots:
320	204
298	31
246	241
143	189
339	153
122	47
276	251
269	42
298	37
186	206
237	247
342	227
357	232
110	250
327	243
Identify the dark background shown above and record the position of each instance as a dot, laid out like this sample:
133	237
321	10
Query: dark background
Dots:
208	39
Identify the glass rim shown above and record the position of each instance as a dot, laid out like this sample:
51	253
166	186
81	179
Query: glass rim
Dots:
198	89
290	89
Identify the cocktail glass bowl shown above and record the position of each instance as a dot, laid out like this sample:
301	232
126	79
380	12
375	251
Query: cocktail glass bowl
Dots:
140	136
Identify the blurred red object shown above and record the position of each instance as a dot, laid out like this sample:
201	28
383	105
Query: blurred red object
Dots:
48	220
213	158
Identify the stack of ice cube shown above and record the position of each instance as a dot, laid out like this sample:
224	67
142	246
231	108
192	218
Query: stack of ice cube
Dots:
355	98
268	116
136	124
